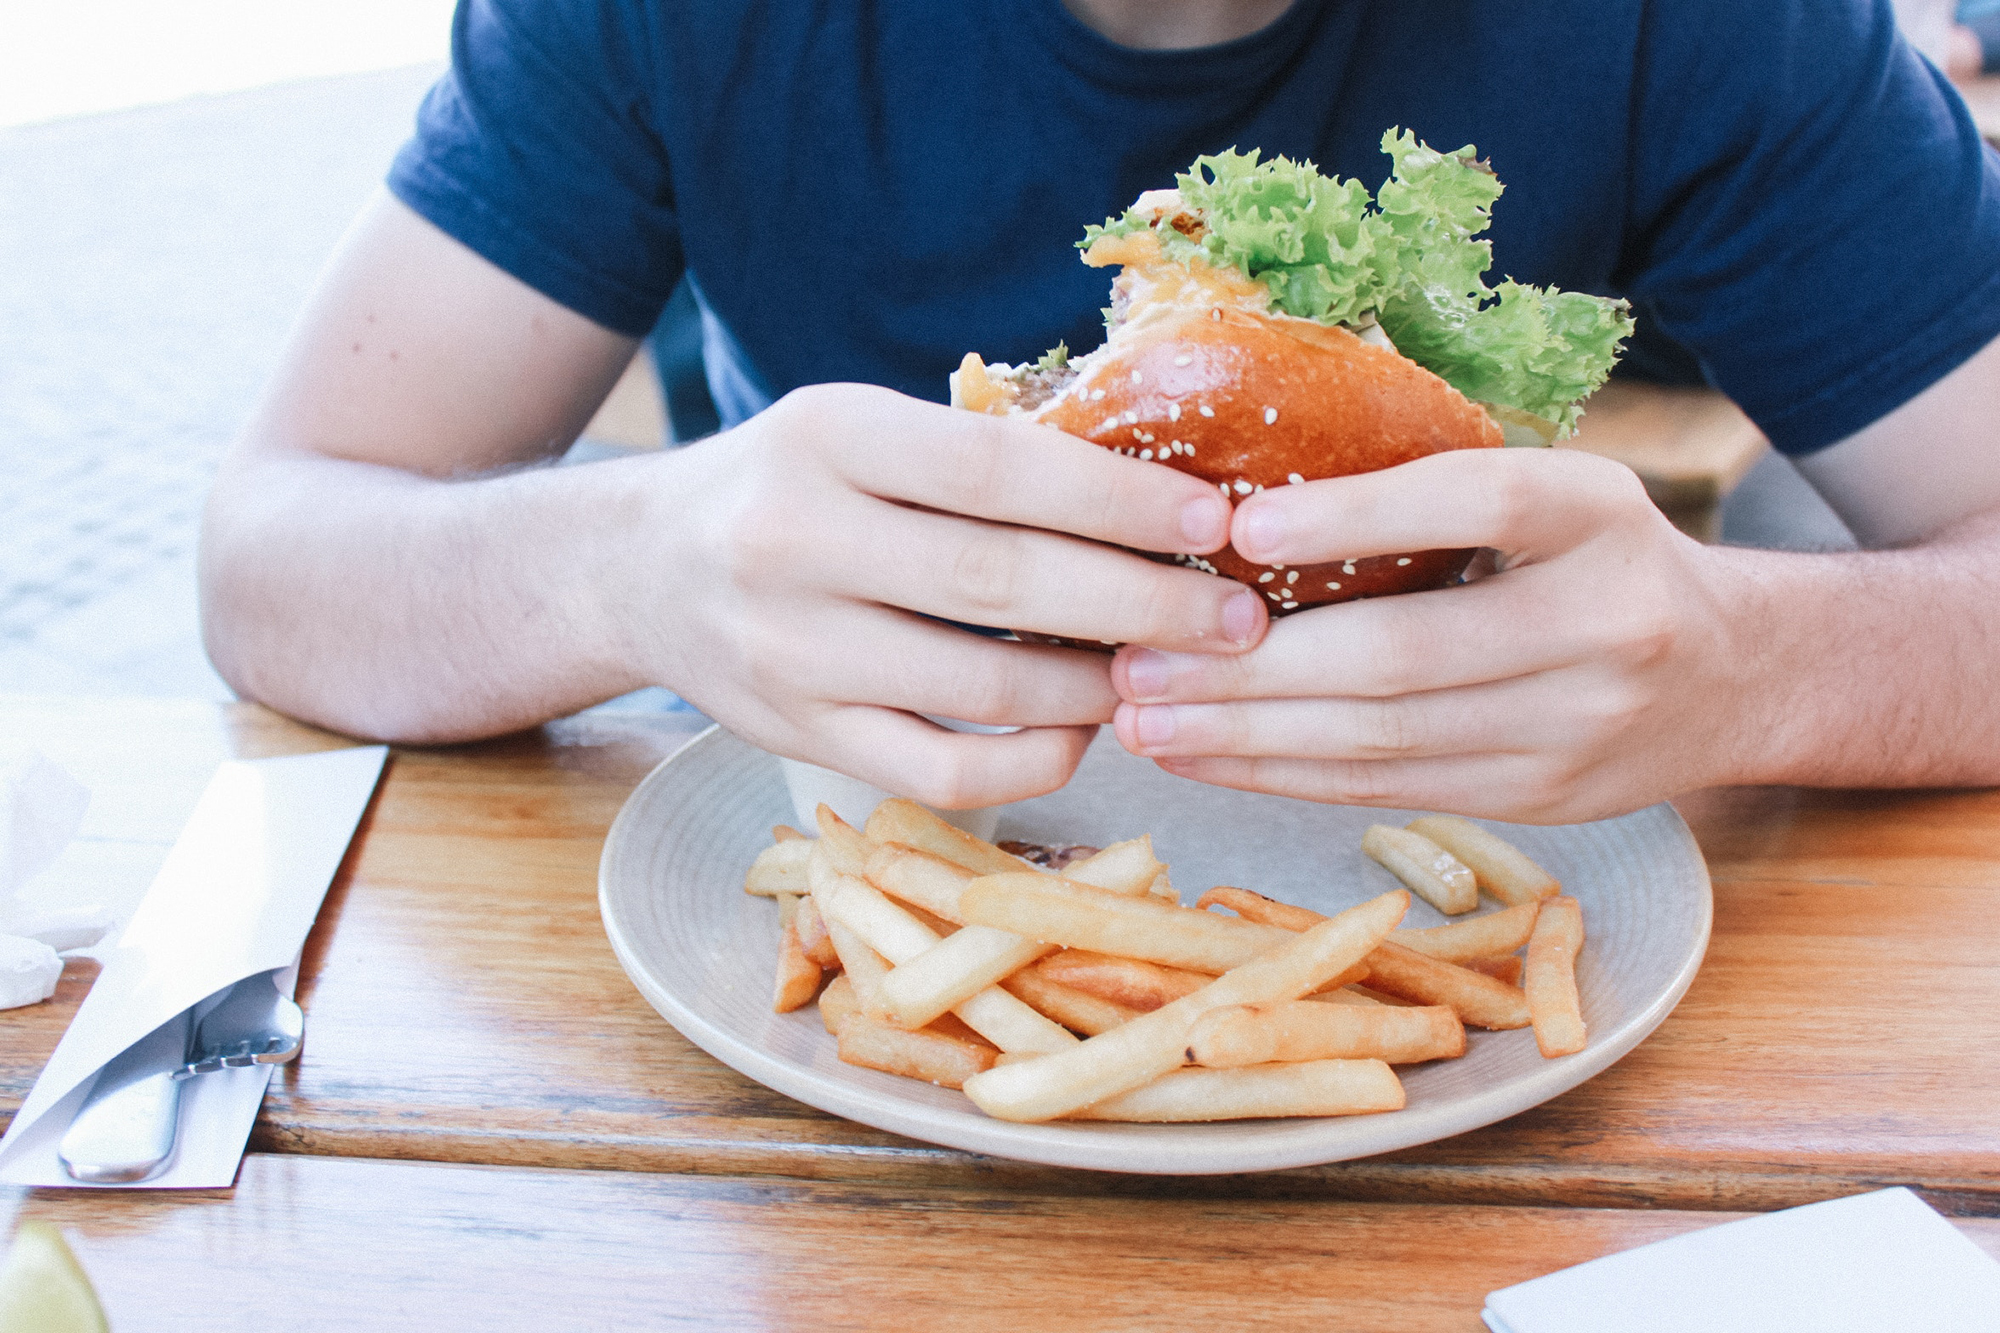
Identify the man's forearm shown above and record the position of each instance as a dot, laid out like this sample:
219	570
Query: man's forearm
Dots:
1874	669
393	606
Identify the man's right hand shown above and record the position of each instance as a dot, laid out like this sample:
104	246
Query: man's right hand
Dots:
799	556
372	563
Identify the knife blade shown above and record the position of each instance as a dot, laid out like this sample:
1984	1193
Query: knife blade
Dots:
125	1131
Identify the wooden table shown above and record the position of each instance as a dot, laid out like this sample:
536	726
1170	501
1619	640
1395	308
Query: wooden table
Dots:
491	1129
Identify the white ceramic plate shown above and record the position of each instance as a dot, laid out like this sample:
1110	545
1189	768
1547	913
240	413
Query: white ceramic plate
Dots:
702	951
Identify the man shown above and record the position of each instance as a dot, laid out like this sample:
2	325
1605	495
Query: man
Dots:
863	193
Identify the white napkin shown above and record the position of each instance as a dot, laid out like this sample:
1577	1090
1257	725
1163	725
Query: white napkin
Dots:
1863	1264
236	896
41	808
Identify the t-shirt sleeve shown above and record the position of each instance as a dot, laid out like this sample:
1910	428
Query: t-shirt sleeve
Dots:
537	151
1812	211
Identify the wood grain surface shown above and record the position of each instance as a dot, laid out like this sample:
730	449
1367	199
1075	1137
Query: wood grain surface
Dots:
464	1006
316	1243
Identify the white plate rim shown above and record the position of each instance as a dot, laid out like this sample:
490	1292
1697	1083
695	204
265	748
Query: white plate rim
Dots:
1314	1142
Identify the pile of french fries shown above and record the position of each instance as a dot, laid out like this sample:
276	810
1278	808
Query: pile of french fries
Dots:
1092	993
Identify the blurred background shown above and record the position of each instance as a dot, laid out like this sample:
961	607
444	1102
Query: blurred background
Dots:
172	175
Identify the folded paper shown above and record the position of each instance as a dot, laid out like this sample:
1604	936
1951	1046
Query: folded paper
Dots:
1862	1264
237	895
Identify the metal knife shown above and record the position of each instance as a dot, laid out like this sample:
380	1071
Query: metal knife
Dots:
125	1131
253	1024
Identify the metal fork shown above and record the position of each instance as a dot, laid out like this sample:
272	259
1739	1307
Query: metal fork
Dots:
256	1024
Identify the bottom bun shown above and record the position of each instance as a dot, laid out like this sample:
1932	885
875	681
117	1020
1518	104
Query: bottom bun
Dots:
1314	585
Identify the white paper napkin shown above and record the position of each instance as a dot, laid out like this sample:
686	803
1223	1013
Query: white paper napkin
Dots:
1864	1264
41	808
236	895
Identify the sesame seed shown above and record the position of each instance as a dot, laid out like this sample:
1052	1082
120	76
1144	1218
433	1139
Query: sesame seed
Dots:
1243	488
1273	596
1260	488
1296	479
1265	578
1223	486
1334	586
1096	395
1206	410
1288	606
1402	560
1109	422
1292	577
1183	360
1190	450
1131	418
1173	411
1146	455
1146	438
1270	416
1215	313
1137	378
1347	568
1279	568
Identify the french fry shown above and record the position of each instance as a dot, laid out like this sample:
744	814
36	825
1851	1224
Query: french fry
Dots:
1079	1011
1289	1031
898	820
859	906
1505	969
1124	981
1266	911
839	846
1551	978
1252	906
1487	936
1139	1051
788	906
836	1002
812	935
927	1055
1478	999
1502	869
1163	887
862	967
952	971
1124	867
951	1025
1367	996
918	878
1317	1087
1431	872
785	833
779	868
1343	995
1057	911
798	976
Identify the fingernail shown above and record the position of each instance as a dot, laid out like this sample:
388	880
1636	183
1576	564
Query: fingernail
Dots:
1154	726
1204	522
1241	617
1263	532
1146	675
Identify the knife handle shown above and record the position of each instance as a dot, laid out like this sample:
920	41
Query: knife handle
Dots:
125	1131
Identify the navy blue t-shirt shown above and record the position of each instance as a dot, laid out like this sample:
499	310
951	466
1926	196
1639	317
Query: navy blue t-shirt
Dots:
867	191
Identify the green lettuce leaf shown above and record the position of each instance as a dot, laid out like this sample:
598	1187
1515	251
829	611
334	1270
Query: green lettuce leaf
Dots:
1410	257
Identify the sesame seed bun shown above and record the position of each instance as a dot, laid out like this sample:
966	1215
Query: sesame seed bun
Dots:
1199	375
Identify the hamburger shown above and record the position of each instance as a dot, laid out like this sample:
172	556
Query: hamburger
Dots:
1271	326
